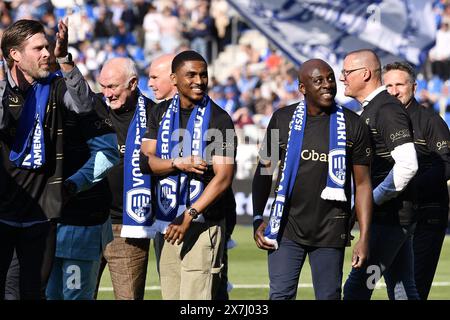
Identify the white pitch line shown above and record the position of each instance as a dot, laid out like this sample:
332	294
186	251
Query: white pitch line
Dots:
379	285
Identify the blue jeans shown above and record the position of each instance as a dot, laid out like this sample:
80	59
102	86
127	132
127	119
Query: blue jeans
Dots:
73	279
285	265
399	276
385	243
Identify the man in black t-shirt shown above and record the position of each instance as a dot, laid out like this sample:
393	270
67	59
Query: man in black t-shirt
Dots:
190	144
312	224
127	111
428	188
393	166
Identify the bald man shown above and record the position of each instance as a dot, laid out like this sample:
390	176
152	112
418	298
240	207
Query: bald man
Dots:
159	77
394	164
324	147
128	109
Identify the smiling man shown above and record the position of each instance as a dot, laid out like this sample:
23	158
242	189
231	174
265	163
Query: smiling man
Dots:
394	165
190	144
321	145
33	118
128	112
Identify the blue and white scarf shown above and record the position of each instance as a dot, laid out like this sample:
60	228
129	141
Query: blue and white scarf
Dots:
334	189
137	213
177	191
28	149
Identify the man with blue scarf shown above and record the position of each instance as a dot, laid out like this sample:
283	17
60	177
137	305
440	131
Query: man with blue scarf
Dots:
322	146
33	112
190	144
127	111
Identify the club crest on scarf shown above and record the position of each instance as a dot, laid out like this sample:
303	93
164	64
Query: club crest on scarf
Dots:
138	204
167	195
137	197
336	172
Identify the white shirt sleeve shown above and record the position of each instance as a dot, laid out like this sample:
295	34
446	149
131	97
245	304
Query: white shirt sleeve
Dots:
402	172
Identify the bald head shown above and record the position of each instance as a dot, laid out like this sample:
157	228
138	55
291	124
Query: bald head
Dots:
318	84
361	74
159	77
118	80
308	66
124	66
367	58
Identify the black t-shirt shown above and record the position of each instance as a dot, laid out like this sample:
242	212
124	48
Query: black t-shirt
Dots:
432	143
389	126
222	142
120	121
90	207
311	220
33	194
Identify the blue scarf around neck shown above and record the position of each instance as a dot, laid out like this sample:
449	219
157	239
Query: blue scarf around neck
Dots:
334	189
137	213
177	191
28	148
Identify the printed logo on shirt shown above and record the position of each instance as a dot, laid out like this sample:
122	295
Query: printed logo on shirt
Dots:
442	144
367	121
404	133
314	155
121	148
106	123
368	152
14	101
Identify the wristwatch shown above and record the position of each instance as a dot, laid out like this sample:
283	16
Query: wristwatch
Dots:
192	212
65	60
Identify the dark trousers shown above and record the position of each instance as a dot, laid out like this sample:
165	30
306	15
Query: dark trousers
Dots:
35	249
427	244
285	265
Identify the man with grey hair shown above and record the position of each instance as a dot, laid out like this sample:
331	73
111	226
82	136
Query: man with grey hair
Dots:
428	188
127	254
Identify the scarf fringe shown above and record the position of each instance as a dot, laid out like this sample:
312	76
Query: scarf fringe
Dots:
334	194
138	232
274	242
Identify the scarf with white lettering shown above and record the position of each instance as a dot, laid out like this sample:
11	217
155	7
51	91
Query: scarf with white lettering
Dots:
177	191
28	149
137	213
334	189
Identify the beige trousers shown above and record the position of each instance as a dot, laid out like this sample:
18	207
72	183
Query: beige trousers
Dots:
191	270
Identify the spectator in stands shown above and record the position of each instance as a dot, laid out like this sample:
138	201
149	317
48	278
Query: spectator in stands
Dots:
440	54
201	30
